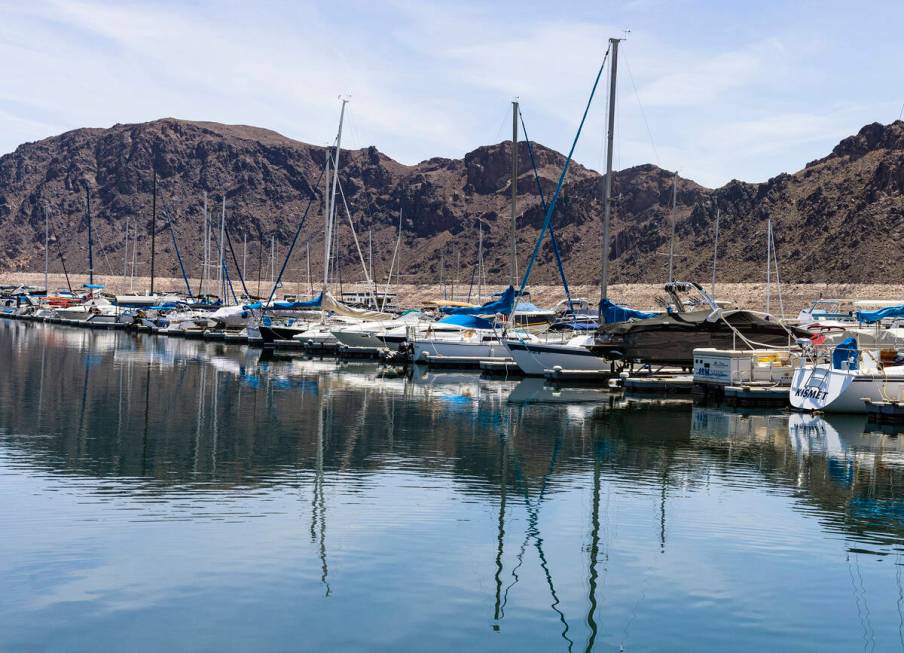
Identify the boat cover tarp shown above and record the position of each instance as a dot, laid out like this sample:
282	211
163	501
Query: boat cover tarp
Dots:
333	305
467	321
574	326
288	306
613	313
880	314
502	305
846	351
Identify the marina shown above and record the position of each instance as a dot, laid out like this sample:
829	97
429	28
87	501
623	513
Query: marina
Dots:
382	327
169	474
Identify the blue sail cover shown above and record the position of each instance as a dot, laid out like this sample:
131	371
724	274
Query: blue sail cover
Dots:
502	305
612	313
467	321
289	306
845	351
881	314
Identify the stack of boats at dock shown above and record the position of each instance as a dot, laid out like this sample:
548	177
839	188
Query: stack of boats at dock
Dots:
831	358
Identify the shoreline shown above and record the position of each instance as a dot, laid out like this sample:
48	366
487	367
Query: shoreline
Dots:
643	296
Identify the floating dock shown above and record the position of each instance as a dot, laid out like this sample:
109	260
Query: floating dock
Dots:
660	384
762	394
885	411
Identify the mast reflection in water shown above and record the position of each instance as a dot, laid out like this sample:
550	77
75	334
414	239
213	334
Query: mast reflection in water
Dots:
169	494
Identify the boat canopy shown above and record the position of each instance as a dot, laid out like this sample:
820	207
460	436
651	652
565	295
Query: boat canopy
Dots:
332	305
881	314
467	321
288	306
613	313
845	351
574	326
502	305
94	286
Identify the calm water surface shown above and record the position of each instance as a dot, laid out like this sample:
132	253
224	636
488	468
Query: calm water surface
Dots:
158	494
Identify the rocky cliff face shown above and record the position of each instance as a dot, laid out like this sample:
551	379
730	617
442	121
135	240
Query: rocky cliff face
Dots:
838	219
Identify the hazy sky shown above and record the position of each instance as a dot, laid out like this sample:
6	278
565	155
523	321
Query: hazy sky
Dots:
716	90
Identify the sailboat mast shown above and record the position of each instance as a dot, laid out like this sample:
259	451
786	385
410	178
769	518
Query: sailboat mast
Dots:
90	235
223	248
715	253
125	255
479	260
153	230
332	203
244	255
205	249
47	250
672	236
307	250
514	192
607	196
769	264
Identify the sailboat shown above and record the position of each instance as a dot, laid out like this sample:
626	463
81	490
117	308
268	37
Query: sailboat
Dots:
865	365
573	351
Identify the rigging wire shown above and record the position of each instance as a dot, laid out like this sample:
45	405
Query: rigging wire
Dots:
643	113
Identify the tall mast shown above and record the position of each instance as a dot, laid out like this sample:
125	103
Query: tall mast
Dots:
769	264
332	202
479	259
607	196
153	230
715	253
307	250
47	249
223	248
125	255
514	192
205	249
244	255
272	258
672	237
90	235
326	222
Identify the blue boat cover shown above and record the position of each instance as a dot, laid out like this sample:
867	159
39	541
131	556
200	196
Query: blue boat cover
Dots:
574	326
881	314
94	286
612	313
845	351
468	321
502	305
288	306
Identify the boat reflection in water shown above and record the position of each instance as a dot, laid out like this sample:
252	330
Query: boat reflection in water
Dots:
147	481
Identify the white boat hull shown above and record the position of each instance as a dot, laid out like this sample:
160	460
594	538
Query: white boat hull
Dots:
459	348
535	358
358	339
822	388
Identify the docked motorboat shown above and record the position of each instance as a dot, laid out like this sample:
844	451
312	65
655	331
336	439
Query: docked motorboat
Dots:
695	323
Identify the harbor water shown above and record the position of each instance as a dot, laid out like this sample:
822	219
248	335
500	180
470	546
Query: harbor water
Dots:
164	494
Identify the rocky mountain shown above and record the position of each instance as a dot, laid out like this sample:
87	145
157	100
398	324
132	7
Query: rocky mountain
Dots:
838	219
